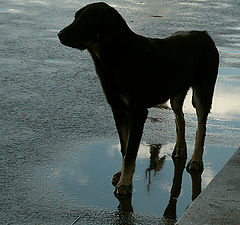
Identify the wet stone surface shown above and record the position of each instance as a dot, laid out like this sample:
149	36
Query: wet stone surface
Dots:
58	143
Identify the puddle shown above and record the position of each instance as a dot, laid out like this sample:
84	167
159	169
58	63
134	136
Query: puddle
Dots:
226	100
86	177
24	2
230	50
6	10
192	4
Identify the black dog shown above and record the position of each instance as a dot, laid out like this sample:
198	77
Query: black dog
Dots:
137	72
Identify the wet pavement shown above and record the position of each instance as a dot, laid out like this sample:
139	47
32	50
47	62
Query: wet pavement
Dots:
58	143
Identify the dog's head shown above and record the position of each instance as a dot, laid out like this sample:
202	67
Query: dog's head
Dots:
93	24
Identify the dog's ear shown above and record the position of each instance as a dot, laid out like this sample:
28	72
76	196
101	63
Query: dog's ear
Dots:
113	24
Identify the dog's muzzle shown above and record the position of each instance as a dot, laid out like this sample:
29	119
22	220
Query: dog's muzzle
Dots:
62	38
65	40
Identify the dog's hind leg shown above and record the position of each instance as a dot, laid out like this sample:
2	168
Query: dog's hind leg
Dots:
202	101
203	89
136	121
180	150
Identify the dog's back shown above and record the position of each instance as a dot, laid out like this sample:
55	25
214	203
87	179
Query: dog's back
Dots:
159	68
183	60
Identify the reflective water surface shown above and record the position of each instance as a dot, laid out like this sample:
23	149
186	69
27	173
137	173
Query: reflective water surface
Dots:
226	101
158	190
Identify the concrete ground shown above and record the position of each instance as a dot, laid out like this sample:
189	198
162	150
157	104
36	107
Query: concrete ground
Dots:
219	203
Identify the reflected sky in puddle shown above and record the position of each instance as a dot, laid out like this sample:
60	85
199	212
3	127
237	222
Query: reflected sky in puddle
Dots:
226	101
6	10
86	176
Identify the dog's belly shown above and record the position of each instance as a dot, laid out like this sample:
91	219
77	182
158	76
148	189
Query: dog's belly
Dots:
139	98
136	90
159	90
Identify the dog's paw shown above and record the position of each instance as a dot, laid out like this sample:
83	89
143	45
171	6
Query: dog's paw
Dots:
179	153
122	189
195	166
116	178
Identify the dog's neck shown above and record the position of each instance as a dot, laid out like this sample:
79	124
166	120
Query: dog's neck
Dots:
95	51
108	46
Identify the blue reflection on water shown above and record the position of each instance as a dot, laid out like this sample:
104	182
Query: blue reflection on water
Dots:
86	177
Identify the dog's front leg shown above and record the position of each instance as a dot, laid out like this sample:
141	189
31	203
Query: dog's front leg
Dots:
136	123
122	122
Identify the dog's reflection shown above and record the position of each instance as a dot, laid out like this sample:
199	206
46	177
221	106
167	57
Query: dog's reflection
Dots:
156	164
179	165
125	203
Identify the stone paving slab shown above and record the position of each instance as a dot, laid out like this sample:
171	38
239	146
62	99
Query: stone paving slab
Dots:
219	203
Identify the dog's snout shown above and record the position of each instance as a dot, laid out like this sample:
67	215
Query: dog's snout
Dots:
63	37
60	35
